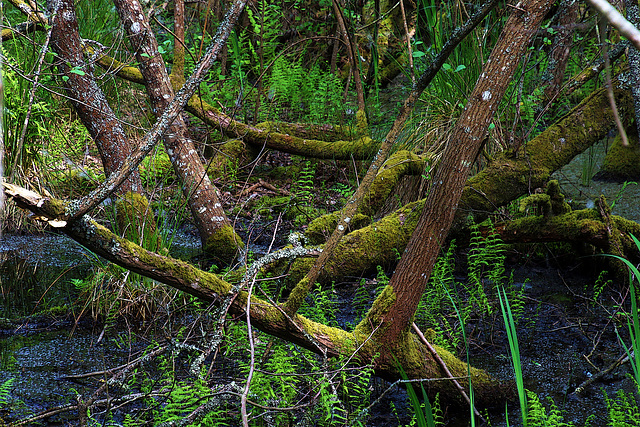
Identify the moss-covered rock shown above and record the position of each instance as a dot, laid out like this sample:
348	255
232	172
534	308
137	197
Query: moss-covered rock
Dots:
228	158
75	183
622	163
156	168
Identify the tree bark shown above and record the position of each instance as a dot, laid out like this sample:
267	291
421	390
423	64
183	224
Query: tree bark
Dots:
134	216
216	232
559	55
393	319
321	339
85	95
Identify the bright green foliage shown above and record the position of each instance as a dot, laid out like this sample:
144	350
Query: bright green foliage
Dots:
623	409
5	392
486	273
321	306
312	95
425	414
267	24
184	398
303	189
514	349
602	282
485	265
537	414
16	107
361	301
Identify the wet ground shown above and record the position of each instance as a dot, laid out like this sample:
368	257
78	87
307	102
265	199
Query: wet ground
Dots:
567	332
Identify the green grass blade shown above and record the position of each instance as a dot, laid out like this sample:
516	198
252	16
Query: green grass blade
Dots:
510	327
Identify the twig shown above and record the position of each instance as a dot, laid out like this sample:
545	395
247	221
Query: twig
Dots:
116	371
612	100
32	94
597	376
408	36
245	393
618	21
446	370
352	54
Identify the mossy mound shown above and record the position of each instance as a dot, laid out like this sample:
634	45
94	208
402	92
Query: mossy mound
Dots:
622	163
228	158
73	183
136	221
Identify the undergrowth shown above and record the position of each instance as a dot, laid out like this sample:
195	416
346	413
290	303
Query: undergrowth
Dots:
474	296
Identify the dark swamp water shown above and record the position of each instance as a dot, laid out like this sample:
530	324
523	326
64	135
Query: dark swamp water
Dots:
566	335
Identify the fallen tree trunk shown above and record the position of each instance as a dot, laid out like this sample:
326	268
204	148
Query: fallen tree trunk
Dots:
269	318
508	177
504	179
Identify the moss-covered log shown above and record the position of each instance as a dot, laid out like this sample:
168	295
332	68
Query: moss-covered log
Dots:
397	165
509	177
623	163
289	138
361	147
415	358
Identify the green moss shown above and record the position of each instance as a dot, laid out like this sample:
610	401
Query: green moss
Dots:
297	271
322	132
75	183
321	228
362	126
549	204
283	173
223	245
228	158
136	220
621	162
376	314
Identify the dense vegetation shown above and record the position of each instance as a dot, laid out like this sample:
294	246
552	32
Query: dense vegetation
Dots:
331	153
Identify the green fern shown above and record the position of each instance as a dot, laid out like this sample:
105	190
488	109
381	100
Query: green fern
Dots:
303	189
5	392
538	416
623	409
320	306
266	22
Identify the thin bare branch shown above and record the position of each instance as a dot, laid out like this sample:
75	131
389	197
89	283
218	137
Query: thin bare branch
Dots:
618	21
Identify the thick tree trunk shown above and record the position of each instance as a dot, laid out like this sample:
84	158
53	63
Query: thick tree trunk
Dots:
85	95
319	338
134	216
504	179
216	232
391	316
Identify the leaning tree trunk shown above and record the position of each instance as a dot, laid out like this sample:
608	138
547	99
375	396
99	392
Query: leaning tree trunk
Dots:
134	216
389	320
321	339
218	236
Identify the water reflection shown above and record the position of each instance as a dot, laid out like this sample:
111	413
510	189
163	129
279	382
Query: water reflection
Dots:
36	273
